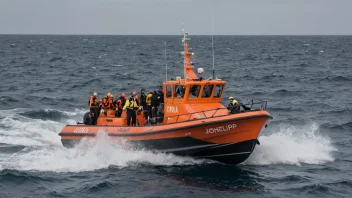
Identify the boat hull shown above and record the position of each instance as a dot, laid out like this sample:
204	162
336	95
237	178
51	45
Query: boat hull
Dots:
227	139
232	153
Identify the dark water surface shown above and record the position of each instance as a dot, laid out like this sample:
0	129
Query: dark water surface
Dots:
46	82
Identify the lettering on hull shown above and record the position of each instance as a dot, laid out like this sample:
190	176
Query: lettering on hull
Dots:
122	130
172	109
220	129
81	130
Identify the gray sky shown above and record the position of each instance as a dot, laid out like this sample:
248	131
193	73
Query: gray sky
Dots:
231	17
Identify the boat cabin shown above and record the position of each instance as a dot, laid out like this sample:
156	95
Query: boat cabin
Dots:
186	99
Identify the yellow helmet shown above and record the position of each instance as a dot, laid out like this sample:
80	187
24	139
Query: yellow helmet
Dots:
109	94
95	94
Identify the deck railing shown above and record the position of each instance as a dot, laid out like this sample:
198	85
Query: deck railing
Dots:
252	106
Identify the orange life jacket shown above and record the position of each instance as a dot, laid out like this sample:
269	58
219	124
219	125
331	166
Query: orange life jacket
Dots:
91	101
95	104
111	103
104	103
119	104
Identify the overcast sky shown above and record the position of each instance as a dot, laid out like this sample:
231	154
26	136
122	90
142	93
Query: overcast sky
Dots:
144	17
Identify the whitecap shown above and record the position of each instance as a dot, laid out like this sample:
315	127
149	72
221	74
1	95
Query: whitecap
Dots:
293	145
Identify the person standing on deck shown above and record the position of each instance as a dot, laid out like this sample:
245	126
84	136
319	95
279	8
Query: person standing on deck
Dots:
131	106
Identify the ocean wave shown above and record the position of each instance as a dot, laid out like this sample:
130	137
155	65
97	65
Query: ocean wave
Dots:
44	89
8	148
336	79
16	75
338	112
15	176
250	57
330	189
86	83
10	102
345	126
8	99
48	101
310	188
100	186
284	109
45	114
92	155
54	59
35	127
285	92
270	77
295	145
29	132
141	54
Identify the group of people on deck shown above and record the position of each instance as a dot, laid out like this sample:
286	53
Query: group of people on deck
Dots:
151	104
132	105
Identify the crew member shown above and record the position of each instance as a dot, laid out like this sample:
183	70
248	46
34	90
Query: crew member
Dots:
235	107
148	101
104	104
120	103
94	107
92	98
108	95
131	106
137	100
155	103
161	95
142	99
160	104
111	102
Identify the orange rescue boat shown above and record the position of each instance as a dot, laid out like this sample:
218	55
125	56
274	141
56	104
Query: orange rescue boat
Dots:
194	122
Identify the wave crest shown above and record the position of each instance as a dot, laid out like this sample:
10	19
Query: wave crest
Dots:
92	154
293	145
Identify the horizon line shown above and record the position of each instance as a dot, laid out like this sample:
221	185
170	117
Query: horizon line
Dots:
33	34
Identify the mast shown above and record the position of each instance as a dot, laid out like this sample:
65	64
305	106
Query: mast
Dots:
212	42
165	63
188	68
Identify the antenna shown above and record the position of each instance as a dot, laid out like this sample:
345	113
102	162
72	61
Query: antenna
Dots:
165	61
212	41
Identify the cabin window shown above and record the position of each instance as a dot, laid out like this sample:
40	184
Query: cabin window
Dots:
179	91
207	91
194	91
168	91
218	91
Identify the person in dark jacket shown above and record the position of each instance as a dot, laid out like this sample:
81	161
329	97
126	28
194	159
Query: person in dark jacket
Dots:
94	109
143	98
155	103
161	95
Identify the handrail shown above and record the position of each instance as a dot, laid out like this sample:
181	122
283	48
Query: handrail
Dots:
190	114
263	105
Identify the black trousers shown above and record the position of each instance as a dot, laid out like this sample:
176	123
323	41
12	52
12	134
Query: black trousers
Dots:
131	114
118	113
94	116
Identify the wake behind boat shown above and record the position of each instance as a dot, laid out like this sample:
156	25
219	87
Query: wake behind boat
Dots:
193	123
